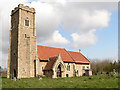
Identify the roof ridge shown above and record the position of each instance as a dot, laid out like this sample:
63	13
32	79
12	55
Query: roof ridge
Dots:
70	55
50	47
80	53
84	56
73	51
53	56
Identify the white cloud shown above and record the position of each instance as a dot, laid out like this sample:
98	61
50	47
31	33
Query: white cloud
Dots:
63	2
89	21
75	17
56	40
83	40
94	19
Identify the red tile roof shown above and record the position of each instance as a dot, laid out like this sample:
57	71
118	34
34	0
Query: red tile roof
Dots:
50	63
45	52
78	57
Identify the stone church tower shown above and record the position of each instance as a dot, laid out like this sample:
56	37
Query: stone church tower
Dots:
22	43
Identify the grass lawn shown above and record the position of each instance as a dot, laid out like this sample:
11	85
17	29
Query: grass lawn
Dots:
98	81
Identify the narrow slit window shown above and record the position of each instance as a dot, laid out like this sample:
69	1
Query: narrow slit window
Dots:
26	22
25	36
42	68
77	71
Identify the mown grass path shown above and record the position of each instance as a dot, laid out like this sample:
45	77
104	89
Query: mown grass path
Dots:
98	81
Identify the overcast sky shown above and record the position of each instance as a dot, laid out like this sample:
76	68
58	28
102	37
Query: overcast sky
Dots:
90	26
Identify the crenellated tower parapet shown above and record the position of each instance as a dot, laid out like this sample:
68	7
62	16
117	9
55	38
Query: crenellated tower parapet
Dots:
21	6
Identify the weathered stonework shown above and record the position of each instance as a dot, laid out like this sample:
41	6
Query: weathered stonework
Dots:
23	60
22	43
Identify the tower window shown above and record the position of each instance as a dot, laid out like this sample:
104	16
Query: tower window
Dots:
26	22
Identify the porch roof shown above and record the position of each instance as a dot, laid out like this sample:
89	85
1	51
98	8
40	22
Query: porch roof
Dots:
50	63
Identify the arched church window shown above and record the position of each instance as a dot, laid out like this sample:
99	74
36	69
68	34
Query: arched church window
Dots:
68	67
83	67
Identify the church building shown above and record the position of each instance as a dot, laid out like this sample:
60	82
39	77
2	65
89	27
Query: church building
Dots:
27	59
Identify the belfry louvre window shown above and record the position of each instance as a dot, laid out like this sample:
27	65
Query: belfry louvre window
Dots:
26	22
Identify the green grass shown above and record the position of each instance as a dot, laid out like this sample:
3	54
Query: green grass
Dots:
98	81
